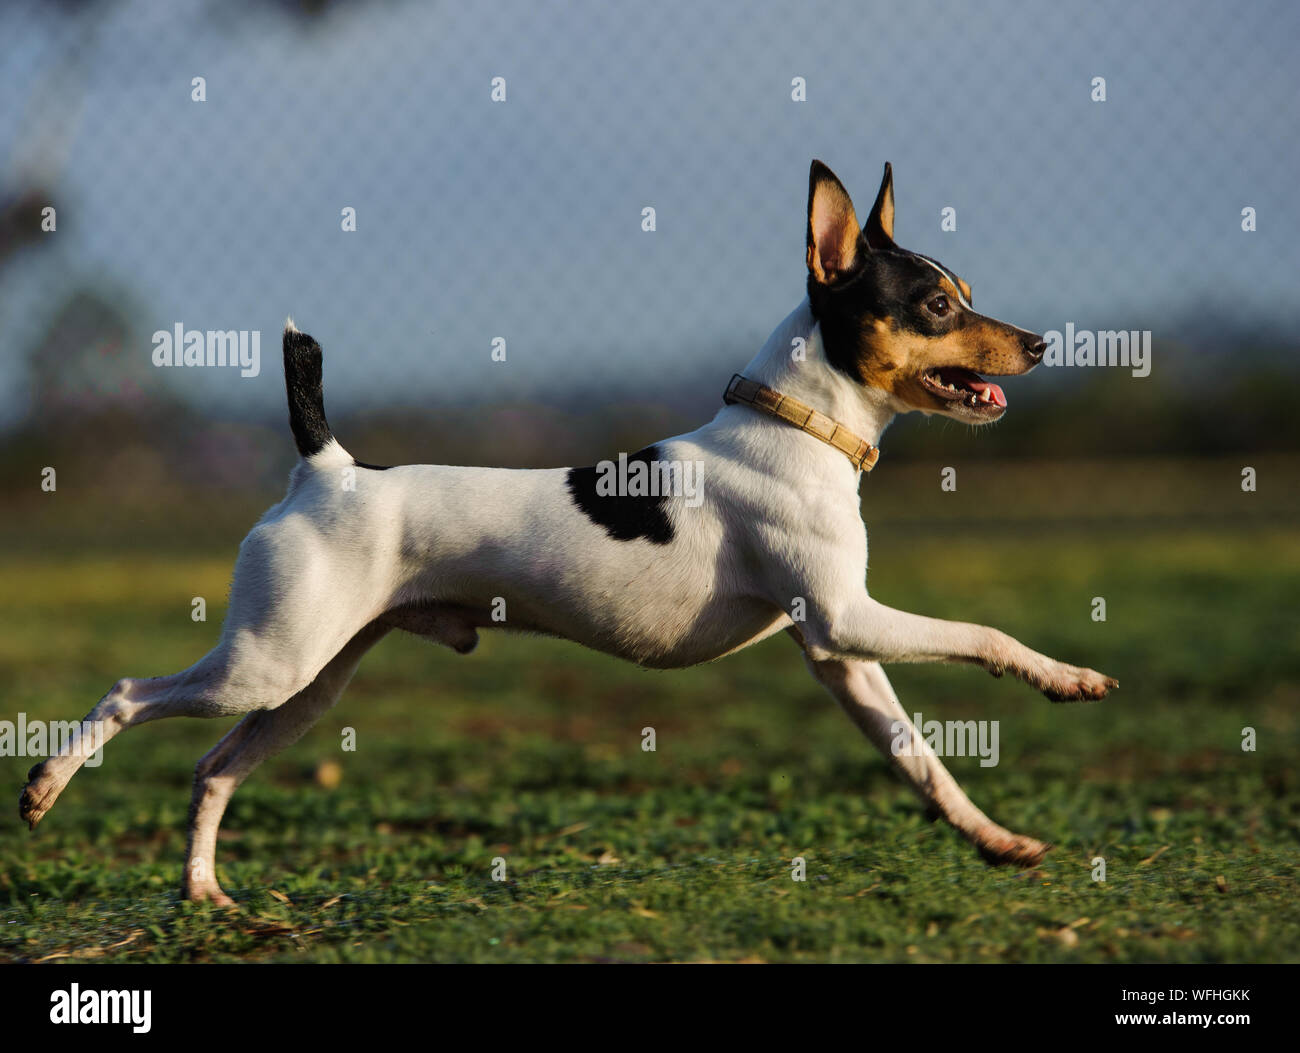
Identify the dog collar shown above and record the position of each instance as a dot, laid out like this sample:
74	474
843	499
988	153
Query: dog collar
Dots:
805	418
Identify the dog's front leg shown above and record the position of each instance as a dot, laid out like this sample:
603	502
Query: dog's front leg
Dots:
868	698
863	629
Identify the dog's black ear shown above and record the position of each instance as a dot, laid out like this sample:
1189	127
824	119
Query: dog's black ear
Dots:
832	226
879	230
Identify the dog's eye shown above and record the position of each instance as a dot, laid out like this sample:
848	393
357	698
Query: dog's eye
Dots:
939	306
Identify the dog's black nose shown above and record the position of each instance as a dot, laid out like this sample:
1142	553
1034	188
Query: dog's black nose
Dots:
1036	349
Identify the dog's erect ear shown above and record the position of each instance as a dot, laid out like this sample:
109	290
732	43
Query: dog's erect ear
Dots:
879	230
832	226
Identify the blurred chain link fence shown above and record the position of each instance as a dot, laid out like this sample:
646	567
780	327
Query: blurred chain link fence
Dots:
452	198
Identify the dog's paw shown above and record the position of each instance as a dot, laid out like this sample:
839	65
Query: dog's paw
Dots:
210	893
1008	849
37	797
1070	683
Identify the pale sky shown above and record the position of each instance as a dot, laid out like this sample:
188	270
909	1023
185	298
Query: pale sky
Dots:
522	219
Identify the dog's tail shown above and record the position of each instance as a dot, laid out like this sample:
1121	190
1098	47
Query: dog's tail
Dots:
302	380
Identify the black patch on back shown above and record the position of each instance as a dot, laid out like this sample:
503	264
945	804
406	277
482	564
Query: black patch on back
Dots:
625	518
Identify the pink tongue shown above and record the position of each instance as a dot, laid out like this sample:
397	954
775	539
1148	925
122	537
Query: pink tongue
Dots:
995	392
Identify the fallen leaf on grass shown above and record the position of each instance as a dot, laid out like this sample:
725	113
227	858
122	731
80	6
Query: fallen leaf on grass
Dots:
329	774
1065	936
91	952
270	930
1155	855
575	828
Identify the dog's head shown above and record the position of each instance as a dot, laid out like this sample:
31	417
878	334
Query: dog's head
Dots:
899	321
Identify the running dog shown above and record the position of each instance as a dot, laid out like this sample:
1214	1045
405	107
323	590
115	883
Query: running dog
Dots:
624	562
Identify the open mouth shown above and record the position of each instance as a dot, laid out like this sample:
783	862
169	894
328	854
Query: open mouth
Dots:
965	389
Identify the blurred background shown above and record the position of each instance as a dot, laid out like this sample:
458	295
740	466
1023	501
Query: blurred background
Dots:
521	219
200	158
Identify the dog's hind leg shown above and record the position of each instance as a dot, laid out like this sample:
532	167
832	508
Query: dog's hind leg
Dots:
867	696
255	738
283	626
209	688
241	674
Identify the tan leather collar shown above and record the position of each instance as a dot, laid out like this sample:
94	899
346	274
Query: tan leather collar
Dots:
805	418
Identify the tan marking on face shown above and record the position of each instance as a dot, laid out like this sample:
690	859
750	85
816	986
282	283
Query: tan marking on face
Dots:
961	290
952	290
893	359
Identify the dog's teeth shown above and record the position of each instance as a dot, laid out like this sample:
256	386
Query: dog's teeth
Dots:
985	396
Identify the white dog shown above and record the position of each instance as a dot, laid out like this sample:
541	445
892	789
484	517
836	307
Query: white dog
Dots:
684	552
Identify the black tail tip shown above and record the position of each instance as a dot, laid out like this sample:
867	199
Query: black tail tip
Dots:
302	380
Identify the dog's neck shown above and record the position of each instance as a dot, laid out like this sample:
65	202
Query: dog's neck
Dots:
802	371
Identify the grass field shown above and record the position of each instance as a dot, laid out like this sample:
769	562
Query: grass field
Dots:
531	750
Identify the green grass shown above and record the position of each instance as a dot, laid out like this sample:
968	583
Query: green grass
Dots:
530	750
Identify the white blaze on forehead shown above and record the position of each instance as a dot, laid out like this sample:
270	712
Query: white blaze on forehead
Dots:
952	278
